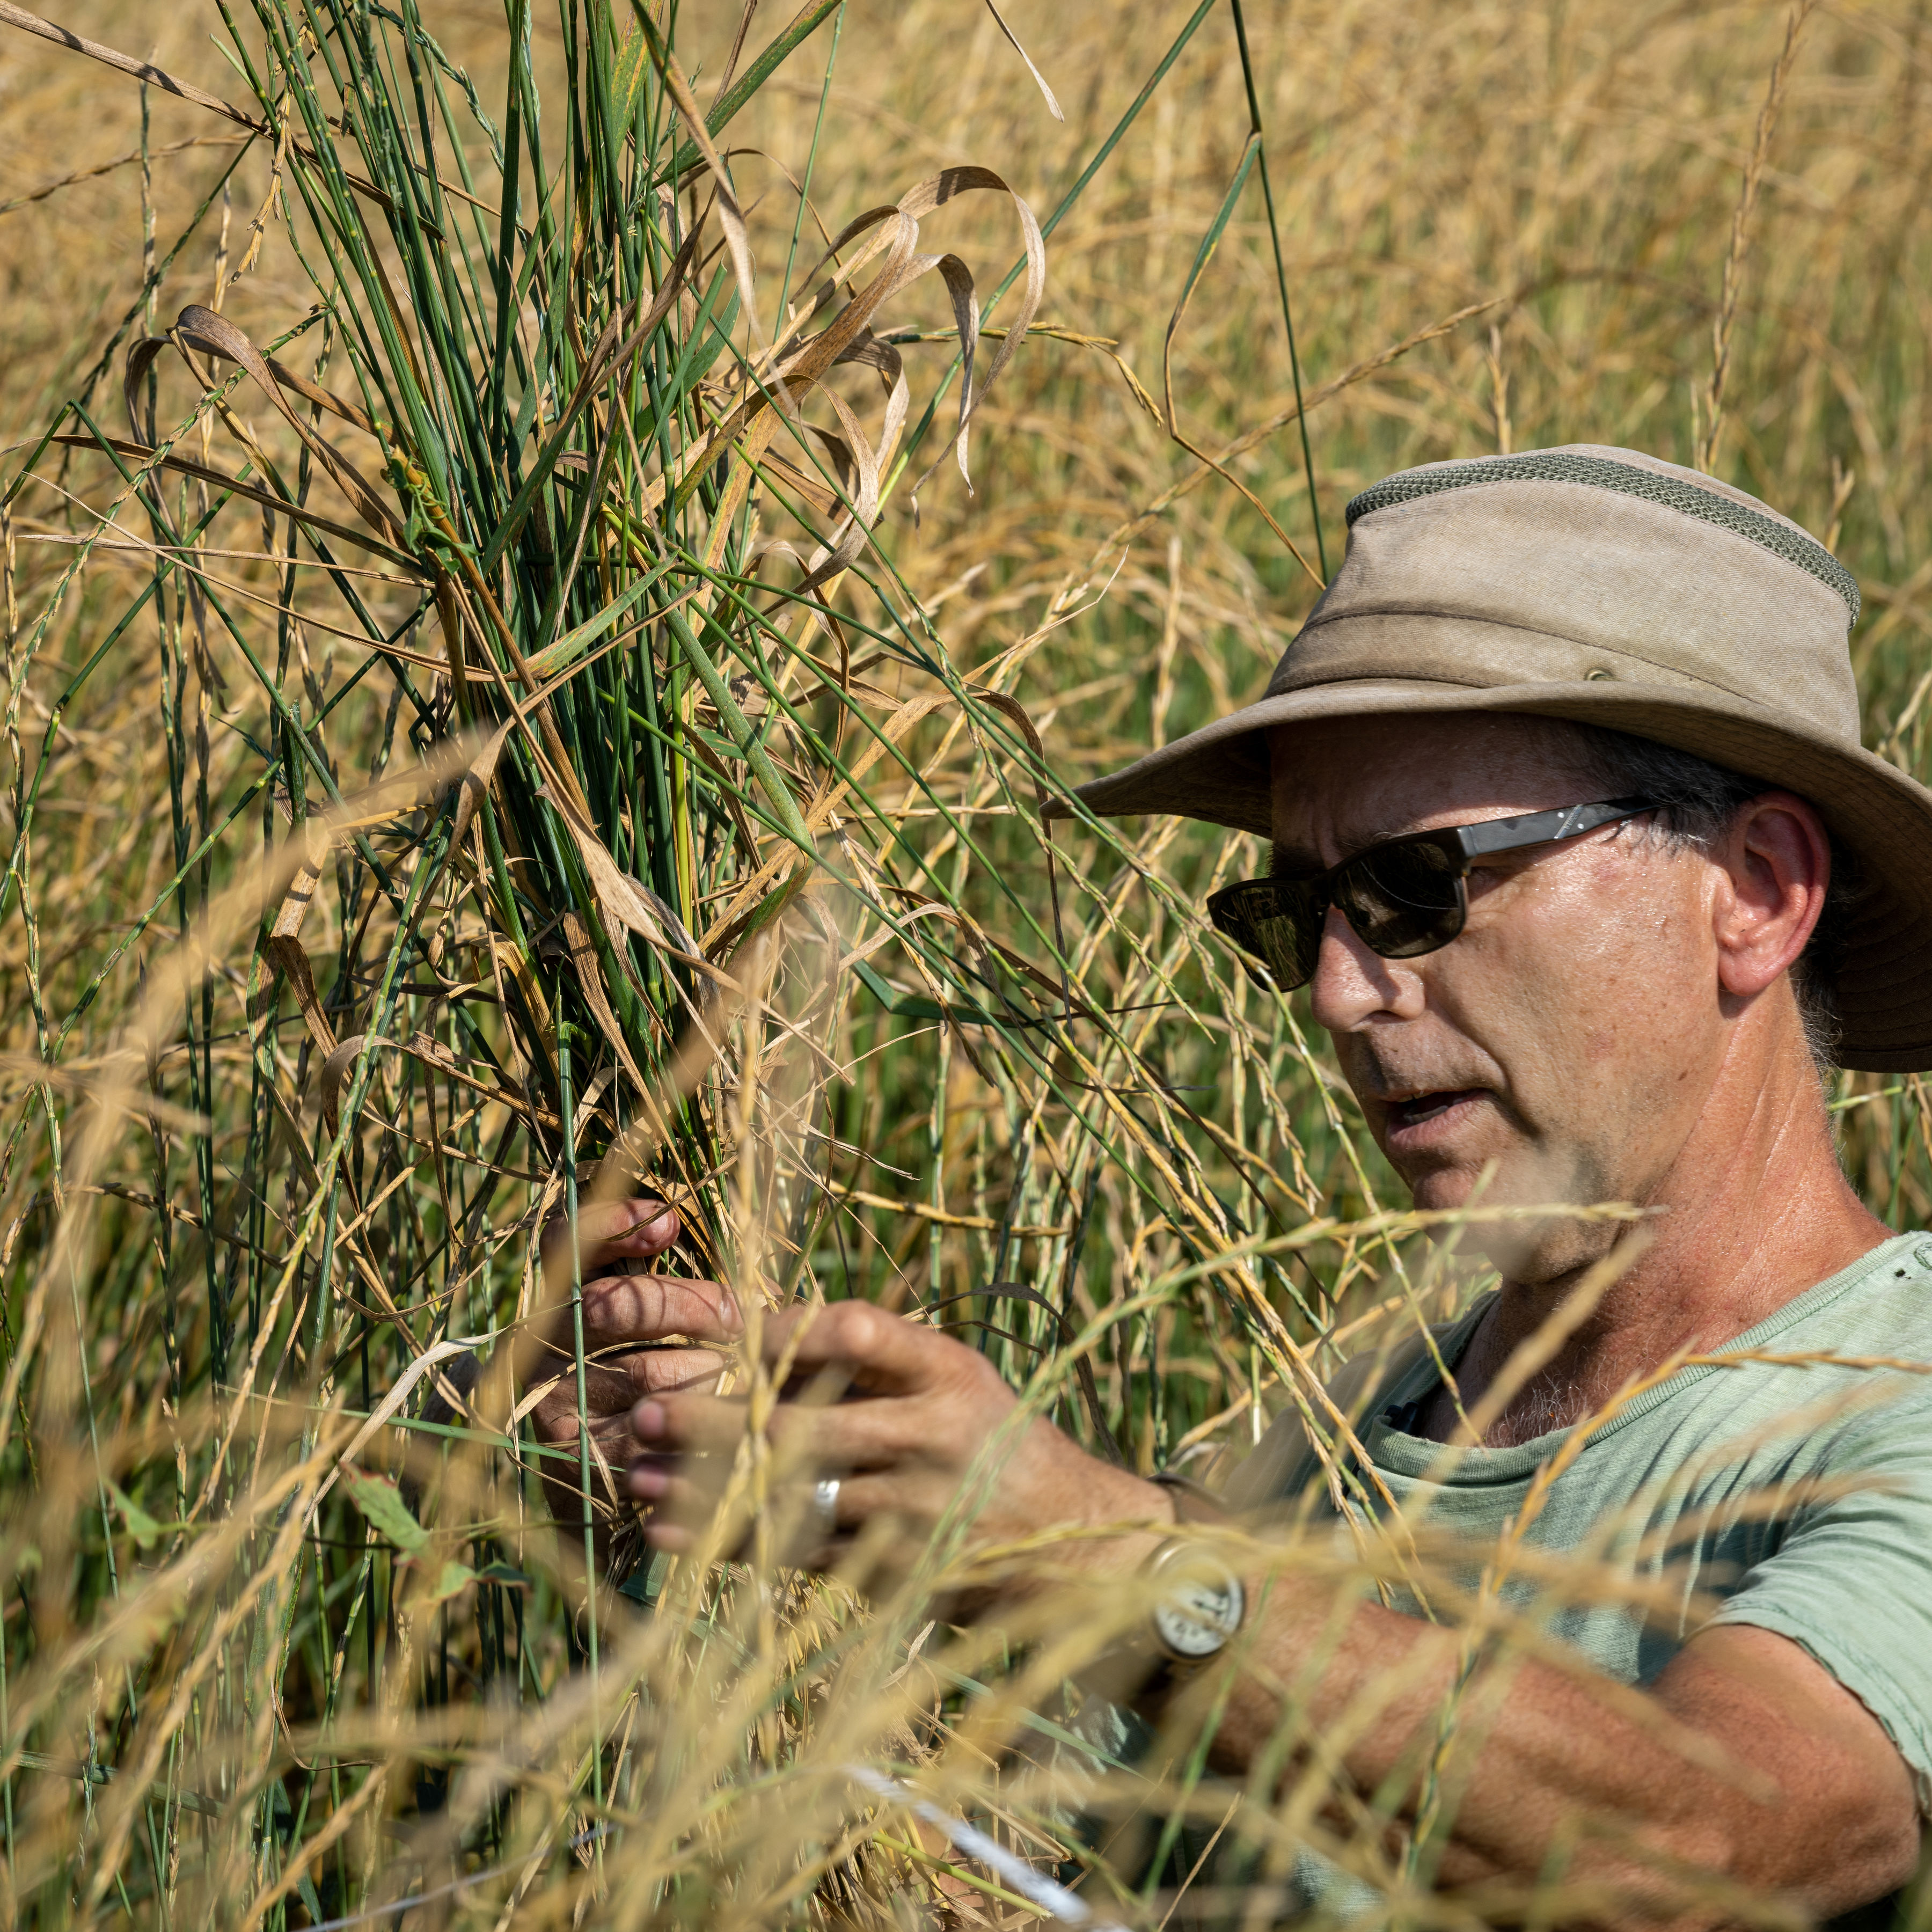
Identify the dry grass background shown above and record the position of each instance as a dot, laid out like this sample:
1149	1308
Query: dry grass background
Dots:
227	1698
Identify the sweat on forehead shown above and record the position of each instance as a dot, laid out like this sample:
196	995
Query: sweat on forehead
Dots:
1340	783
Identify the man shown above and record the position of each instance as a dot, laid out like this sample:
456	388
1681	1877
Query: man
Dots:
1580	858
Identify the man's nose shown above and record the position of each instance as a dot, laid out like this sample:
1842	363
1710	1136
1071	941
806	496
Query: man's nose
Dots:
1351	985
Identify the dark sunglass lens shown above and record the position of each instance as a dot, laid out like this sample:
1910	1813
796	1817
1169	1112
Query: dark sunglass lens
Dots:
1275	920
1402	900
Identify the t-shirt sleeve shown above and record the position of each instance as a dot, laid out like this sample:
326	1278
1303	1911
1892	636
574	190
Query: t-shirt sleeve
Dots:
1851	1580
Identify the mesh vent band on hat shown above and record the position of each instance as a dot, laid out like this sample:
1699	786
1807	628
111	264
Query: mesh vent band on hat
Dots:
1600	473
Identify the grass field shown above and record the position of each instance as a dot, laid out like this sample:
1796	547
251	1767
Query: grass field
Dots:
570	763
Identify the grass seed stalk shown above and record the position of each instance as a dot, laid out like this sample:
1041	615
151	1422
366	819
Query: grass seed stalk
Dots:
541	604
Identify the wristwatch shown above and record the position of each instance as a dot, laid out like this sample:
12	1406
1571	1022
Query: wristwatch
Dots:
1199	1604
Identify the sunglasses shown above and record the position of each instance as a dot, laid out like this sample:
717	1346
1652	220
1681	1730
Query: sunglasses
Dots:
1404	897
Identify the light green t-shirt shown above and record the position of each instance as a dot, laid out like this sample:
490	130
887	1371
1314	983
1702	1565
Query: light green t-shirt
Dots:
1682	1487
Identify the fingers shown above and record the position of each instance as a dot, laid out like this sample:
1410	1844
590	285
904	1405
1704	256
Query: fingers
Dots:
618	1312
610	1237
873	1434
615	1230
680	1508
917	1408
564	1471
659	1480
621	1314
923	1398
886	1354
622	1311
557	1429
612	1385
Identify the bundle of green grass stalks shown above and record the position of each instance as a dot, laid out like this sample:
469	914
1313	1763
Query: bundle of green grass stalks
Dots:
553	552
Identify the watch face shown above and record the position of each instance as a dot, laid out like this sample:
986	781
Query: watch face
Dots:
1200	1614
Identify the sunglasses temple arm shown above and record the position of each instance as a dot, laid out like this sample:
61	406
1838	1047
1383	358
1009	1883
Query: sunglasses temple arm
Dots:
1545	828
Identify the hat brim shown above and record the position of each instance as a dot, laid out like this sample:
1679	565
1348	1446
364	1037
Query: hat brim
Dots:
1221	774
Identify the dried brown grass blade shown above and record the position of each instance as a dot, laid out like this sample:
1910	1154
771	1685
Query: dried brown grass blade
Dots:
935	193
144	71
393	1399
730	216
213	334
476	782
1013	41
186	465
323	398
590	979
622	905
283	947
433	1053
737	48
958	280
895	231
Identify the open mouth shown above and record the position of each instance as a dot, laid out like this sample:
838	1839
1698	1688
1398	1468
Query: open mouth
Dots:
1421	1108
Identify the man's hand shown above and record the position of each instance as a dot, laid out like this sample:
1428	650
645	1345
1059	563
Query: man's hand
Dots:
917	1409
643	1334
1816	1805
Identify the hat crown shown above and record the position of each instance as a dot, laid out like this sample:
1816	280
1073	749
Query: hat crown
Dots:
1605	587
1584	563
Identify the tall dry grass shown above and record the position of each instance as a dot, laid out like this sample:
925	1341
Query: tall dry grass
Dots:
298	1014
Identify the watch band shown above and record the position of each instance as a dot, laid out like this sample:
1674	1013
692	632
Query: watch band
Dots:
1193	1502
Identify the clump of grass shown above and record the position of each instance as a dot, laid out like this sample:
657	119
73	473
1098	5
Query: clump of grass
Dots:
580	771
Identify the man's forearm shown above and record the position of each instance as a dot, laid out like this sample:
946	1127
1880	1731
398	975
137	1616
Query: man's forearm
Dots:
1692	1777
1539	1755
1382	1684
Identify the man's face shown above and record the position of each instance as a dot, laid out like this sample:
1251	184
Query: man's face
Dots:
1572	1032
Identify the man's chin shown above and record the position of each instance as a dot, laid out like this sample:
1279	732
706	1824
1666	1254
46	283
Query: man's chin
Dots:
1537	1248
1441	1182
1480	1178
1449	1191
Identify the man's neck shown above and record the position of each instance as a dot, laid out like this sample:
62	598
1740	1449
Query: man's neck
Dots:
1755	1210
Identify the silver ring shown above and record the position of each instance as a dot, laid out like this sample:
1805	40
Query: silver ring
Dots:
825	1504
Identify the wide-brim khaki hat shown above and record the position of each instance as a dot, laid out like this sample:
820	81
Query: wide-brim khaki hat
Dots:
1609	588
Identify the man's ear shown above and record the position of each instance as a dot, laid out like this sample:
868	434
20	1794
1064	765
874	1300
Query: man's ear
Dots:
1777	862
